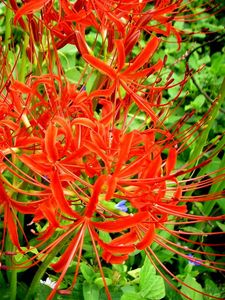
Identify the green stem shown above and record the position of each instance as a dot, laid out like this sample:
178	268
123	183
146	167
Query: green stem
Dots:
20	216
208	206
219	186
197	150
8	26
39	274
13	285
12	273
43	267
97	83
23	60
203	139
38	68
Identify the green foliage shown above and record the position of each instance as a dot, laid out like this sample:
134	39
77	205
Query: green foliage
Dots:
149	285
191	281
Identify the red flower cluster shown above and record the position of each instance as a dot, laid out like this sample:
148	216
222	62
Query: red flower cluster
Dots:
69	157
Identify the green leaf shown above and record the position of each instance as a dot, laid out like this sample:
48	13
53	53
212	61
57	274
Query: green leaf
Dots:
151	285
21	290
73	75
2	281
42	292
218	63
68	50
104	236
88	272
114	292
120	268
190	281
22	259
190	229
127	289
215	166
100	283
90	291
137	121
196	104
211	288
221	226
134	273
133	296
172	294
147	271
92	79
6	293
165	256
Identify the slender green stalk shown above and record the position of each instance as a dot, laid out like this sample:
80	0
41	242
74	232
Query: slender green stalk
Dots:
12	273
39	274
21	198
13	285
216	187
8	26
38	66
22	71
97	83
204	136
43	267
219	186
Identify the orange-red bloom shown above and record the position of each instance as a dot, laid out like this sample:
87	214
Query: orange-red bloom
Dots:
79	168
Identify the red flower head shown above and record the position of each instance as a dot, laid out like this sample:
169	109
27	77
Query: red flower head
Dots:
81	168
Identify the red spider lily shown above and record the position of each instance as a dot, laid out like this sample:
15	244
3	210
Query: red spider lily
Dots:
130	166
112	19
58	139
122	78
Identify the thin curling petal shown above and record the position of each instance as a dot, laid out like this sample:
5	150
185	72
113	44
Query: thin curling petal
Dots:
120	54
125	146
73	246
113	259
80	43
9	222
148	238
144	56
50	143
59	196
114	248
9	217
122	223
100	65
30	7
171	160
141	103
93	201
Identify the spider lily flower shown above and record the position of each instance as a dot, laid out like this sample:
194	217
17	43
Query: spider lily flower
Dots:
90	164
111	19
